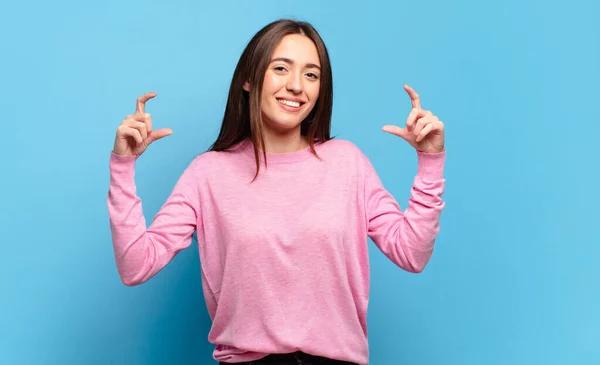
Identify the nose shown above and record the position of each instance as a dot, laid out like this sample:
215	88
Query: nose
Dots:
294	83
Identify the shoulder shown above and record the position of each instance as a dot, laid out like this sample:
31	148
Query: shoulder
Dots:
341	146
341	149
218	159
214	166
215	161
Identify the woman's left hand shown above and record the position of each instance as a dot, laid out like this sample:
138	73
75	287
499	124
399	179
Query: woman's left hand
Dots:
424	131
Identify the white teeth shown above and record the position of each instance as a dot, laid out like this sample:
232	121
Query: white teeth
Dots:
295	104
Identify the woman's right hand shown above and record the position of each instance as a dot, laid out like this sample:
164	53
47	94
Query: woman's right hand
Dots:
135	133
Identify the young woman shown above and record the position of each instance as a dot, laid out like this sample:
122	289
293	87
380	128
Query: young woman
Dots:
281	210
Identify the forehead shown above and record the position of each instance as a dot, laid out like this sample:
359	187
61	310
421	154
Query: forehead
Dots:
298	48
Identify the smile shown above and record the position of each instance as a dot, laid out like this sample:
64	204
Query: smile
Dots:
293	104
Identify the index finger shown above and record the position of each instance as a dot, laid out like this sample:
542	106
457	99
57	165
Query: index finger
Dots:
414	97
141	101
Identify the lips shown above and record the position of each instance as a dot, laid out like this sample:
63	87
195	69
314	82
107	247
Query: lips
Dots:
292	103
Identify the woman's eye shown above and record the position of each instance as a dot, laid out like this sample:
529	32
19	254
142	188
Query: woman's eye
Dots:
312	75
279	68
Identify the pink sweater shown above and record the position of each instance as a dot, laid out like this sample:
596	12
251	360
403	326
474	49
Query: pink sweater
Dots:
284	259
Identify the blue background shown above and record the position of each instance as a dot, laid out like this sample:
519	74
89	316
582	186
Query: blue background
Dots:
514	278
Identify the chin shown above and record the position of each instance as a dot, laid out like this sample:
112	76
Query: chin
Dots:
284	126
283	123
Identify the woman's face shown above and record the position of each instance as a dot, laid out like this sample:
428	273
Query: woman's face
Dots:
291	84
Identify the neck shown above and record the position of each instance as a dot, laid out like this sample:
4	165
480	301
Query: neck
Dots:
290	141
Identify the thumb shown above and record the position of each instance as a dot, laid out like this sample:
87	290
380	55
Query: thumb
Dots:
397	131
158	134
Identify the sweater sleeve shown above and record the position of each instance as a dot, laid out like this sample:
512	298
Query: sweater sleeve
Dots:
141	251
407	238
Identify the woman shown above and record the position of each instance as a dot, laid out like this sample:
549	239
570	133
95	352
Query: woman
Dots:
281	210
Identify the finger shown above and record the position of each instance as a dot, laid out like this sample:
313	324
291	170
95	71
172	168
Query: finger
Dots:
422	122
141	102
158	134
412	119
413	116
126	131
414	97
146	118
140	126
435	126
397	131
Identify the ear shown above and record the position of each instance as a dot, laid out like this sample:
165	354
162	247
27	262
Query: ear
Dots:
247	86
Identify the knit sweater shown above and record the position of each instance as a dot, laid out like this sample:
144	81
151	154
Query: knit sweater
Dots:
284	258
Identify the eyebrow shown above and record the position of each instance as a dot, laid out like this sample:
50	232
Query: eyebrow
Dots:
291	62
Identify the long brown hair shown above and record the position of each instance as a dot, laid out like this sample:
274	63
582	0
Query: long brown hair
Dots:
243	117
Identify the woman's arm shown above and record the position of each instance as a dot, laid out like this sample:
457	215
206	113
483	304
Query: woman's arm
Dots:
407	238
141	251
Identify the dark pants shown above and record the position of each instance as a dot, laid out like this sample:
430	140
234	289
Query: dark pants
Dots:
296	358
